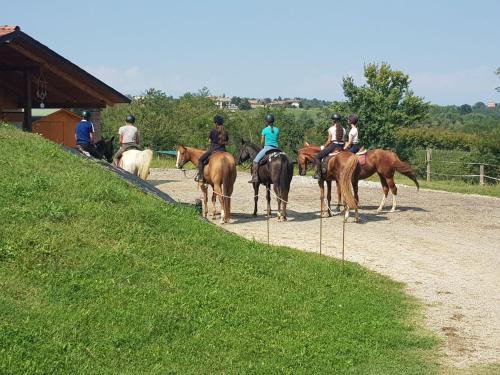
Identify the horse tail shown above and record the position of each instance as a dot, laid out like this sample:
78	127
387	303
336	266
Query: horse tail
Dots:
228	180
346	181
406	169
144	161
286	174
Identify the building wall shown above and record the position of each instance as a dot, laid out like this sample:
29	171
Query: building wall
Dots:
58	127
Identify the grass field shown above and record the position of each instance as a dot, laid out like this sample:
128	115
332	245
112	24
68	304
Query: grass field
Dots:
96	277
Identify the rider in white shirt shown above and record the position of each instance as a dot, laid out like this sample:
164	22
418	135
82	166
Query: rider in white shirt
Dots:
353	143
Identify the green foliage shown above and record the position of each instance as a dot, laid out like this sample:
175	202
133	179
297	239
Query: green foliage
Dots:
383	104
97	277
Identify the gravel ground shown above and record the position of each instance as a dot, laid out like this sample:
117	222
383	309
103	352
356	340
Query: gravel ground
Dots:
444	246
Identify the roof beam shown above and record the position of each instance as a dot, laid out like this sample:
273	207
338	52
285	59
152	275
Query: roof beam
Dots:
60	73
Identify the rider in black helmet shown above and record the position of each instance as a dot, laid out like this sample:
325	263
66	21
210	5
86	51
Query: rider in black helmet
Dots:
335	140
84	135
218	139
128	137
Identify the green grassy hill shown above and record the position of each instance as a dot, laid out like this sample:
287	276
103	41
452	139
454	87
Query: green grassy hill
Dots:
96	277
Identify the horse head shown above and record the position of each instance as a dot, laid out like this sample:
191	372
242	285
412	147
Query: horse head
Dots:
105	148
246	151
304	156
182	156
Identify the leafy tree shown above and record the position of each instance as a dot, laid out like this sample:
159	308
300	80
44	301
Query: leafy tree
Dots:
478	106
204	92
244	105
498	74
384	103
236	100
464	109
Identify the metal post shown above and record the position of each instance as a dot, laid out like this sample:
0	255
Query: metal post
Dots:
429	160
481	174
320	226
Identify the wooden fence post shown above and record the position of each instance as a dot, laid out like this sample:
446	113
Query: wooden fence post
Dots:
481	174
428	160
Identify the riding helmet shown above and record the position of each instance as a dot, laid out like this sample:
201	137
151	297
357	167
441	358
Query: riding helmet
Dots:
86	115
269	119
352	119
336	117
219	120
130	119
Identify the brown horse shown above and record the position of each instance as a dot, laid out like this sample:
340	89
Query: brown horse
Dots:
383	162
220	173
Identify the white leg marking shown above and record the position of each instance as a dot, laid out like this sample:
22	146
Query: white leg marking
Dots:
382	204
393	203
177	161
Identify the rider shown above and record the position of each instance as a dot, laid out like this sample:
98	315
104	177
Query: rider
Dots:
269	138
129	138
334	141
84	135
353	143
218	139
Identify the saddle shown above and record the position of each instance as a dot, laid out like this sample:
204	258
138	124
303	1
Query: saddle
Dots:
326	159
270	155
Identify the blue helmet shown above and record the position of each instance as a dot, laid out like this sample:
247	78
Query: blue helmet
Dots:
269	119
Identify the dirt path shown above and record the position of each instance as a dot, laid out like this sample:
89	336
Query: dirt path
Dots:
444	246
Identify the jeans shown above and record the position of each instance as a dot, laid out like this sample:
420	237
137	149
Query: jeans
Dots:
262	153
354	148
328	150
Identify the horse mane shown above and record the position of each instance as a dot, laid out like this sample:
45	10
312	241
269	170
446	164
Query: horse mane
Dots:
252	146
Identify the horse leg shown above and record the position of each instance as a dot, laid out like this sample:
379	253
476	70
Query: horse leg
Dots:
255	197
284	196
214	201
385	188
218	194
268	200
204	190
329	197
321	197
394	191
278	198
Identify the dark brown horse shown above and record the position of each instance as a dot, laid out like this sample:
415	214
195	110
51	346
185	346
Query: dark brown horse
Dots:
383	162
277	172
220	173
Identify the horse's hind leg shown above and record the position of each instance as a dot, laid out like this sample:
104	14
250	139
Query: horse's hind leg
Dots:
204	190
280	203
284	196
268	199
385	188
394	191
214	199
255	197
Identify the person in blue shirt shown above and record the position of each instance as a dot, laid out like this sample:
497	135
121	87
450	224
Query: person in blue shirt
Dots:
84	135
269	138
218	139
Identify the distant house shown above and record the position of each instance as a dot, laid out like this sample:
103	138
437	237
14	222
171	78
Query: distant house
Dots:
491	105
294	103
256	103
220	101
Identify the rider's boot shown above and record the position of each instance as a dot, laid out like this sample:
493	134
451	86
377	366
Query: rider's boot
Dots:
199	175
255	177
317	175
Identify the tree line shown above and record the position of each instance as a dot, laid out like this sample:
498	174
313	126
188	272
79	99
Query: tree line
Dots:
391	117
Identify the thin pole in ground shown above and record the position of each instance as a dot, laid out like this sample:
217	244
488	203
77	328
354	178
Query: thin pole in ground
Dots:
343	239
320	226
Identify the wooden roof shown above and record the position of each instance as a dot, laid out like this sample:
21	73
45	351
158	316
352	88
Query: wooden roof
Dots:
68	85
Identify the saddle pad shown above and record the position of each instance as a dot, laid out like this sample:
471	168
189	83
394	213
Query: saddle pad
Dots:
363	152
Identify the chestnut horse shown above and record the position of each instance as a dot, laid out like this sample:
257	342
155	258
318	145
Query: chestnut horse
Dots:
383	162
220	173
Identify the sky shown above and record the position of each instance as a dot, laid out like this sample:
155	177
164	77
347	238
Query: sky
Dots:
450	49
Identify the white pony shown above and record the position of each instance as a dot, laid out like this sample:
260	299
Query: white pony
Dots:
137	162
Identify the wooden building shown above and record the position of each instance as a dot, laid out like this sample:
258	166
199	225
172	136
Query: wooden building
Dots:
58	126
32	75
